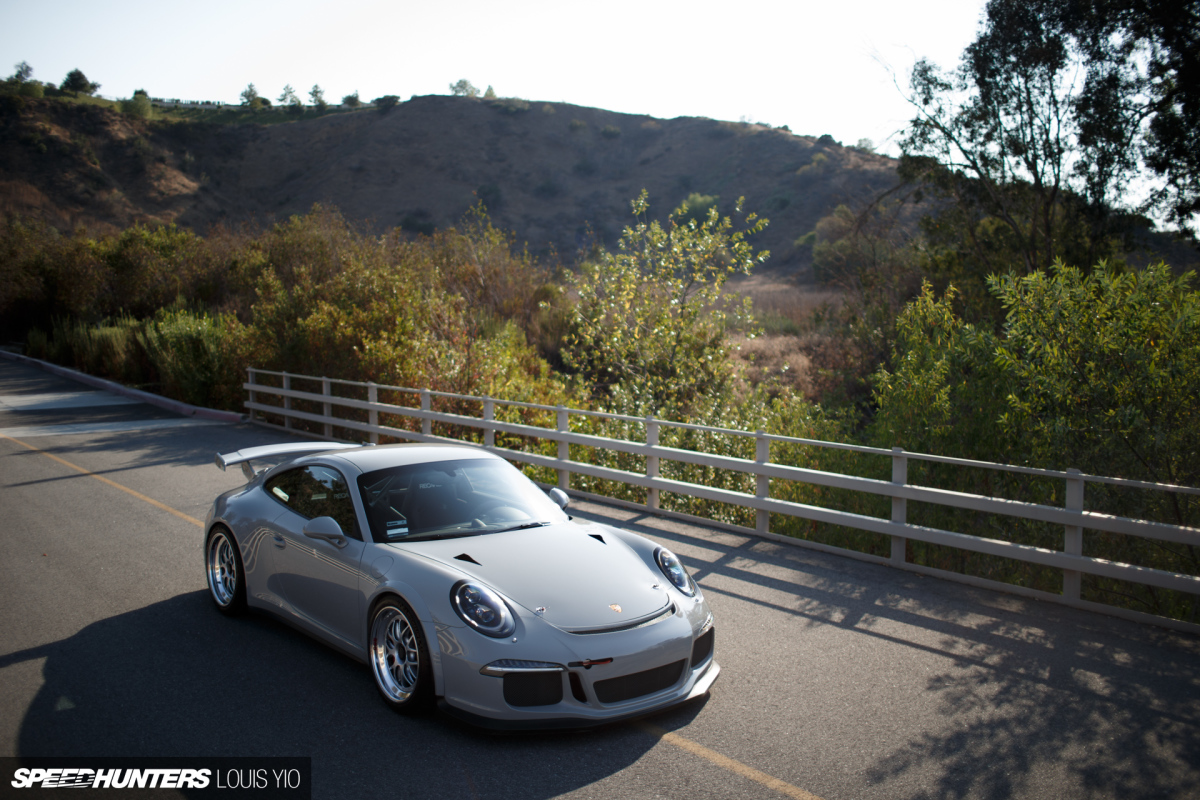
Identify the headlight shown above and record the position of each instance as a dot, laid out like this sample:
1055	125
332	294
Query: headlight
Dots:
673	569
482	609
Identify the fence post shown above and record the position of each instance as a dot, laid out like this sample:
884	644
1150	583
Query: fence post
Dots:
373	414
327	408
563	425
1073	535
489	414
426	405
762	484
287	401
250	373
652	461
899	504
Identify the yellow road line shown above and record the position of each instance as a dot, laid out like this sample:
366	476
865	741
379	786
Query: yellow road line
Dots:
696	749
114	484
725	762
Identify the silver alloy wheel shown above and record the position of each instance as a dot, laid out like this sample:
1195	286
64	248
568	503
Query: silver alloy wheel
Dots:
222	569
395	654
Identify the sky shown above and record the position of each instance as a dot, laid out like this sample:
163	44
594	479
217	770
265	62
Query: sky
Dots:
828	67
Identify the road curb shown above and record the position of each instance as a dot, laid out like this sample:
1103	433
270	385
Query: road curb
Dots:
183	409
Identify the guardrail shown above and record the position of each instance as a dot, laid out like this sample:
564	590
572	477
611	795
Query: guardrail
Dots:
362	416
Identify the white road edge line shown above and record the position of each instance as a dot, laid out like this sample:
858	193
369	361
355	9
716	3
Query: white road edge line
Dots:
52	400
83	429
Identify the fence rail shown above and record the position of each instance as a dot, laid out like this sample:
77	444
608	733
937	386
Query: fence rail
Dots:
1072	516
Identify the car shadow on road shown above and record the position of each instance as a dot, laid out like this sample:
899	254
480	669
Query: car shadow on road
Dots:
177	679
1022	690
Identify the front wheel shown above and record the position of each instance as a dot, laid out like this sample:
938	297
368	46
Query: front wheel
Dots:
223	568
399	657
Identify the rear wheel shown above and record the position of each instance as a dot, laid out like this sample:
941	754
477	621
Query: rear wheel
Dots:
223	569
399	657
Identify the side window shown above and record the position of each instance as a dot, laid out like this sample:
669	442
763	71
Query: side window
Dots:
316	491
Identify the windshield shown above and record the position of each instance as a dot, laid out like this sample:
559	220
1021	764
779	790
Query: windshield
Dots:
452	498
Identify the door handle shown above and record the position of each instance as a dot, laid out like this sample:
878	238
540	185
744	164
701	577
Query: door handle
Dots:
280	542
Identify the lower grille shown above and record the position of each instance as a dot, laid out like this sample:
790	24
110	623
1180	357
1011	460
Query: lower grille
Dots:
533	688
702	648
627	687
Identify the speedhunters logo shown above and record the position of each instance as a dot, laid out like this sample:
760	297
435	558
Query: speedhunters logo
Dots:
160	777
68	777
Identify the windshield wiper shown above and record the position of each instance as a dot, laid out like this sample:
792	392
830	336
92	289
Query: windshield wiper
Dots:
429	537
524	526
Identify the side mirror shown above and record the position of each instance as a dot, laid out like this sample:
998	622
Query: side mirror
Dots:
559	497
325	528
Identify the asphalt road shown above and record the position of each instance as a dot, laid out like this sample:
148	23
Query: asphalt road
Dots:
839	679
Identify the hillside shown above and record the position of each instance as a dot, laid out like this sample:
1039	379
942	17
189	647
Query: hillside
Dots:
555	174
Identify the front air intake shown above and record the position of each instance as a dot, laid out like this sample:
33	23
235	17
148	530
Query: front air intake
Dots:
702	648
533	688
639	684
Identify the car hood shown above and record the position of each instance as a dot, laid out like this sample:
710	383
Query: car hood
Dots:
581	581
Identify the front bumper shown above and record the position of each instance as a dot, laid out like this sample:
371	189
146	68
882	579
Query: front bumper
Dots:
582	680
708	676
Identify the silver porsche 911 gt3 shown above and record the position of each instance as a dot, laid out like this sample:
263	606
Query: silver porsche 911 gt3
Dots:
459	582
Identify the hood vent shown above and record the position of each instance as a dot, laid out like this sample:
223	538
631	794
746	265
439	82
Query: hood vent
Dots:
468	559
598	538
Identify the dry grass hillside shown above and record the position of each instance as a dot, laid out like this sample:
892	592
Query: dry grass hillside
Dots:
559	176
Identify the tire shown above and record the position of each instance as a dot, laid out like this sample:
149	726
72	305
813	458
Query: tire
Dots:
399	657
223	571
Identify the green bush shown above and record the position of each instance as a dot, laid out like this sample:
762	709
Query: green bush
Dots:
1098	372
138	106
648	328
198	358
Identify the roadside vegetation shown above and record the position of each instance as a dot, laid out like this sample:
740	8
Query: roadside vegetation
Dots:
1017	322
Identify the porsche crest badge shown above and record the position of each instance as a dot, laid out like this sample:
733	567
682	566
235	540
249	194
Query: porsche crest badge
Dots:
615	607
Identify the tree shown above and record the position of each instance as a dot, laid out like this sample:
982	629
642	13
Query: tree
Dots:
463	88
22	78
351	100
289	98
649	325
386	103
490	94
139	105
1147	52
869	259
23	72
251	98
77	83
1040	132
317	96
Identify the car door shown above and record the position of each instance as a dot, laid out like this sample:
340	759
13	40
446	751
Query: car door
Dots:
320	578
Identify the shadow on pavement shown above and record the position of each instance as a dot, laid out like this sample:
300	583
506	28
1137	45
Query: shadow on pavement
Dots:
177	679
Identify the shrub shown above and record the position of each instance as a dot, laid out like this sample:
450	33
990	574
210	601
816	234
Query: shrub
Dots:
463	88
138	106
198	358
610	131
696	207
512	105
648	330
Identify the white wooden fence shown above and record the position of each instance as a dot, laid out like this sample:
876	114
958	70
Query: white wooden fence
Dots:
1072	516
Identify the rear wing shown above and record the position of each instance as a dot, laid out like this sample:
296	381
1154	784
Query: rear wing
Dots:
276	453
